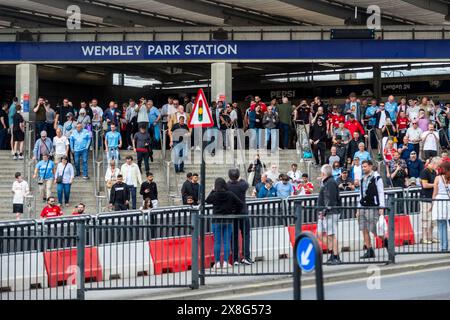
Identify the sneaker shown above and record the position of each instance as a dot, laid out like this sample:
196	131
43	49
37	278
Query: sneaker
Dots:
20	157
330	259
130	148
369	254
435	240
236	263
15	156
197	148
337	260
86	178
226	265
218	265
247	262
426	241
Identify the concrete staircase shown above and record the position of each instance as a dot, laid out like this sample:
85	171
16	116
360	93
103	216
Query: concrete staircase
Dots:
81	191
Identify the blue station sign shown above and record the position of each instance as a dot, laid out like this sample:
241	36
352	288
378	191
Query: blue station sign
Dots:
308	50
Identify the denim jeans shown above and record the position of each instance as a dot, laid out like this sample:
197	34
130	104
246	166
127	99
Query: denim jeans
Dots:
443	235
222	233
242	225
84	155
113	154
133	196
272	135
178	154
63	189
285	129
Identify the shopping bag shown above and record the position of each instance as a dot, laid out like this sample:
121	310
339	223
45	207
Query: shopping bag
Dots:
382	229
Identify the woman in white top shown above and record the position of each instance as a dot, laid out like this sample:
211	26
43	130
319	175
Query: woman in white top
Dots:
441	197
111	176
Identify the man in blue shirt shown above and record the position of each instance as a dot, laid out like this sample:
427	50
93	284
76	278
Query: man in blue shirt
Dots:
45	170
415	165
284	188
268	190
362	154
405	149
80	141
392	107
113	142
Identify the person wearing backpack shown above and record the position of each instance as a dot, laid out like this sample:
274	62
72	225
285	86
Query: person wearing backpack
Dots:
63	179
371	195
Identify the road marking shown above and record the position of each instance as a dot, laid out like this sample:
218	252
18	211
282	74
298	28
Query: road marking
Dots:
268	292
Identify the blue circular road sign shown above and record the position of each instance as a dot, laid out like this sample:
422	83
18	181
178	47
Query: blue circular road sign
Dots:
306	255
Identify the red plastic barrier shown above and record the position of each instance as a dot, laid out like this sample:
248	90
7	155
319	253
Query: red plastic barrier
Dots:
171	254
62	264
404	233
311	227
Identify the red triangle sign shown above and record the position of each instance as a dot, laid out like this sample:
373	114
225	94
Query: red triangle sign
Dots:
200	116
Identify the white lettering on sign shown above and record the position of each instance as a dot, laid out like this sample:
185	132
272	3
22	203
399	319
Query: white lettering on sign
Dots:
405	86
114	50
282	93
210	49
158	50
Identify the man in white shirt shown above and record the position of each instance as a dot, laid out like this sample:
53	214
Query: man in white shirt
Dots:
167	110
414	134
19	189
295	175
61	145
413	110
273	174
97	114
132	177
430	140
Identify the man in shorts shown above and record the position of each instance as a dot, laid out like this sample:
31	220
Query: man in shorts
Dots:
327	224
19	189
427	176
371	195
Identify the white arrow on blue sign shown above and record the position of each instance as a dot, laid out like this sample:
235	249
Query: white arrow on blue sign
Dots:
306	255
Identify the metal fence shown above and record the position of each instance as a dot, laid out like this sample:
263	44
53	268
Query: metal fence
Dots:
421	225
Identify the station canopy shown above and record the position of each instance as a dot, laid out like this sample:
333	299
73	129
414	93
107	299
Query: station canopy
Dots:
214	13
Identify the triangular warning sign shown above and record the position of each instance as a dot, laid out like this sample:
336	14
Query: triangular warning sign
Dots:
201	114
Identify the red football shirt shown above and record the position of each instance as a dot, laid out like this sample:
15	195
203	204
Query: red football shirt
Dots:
52	212
403	123
302	191
334	120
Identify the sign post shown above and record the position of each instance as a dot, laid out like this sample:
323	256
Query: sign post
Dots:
307	257
201	118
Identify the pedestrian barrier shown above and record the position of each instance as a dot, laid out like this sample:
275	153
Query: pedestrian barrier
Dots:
9	230
125	260
270	243
404	234
22	271
60	264
171	254
310	227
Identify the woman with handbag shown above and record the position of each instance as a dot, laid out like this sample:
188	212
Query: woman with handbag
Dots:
441	207
63	179
45	170
111	176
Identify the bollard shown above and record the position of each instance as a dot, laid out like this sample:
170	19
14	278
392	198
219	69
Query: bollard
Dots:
194	267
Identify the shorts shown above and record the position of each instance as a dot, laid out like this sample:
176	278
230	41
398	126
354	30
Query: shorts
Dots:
18	136
426	213
368	219
17	208
328	225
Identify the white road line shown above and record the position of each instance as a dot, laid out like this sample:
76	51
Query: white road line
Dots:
245	295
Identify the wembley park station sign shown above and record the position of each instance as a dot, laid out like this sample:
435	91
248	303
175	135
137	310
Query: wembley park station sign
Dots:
197	51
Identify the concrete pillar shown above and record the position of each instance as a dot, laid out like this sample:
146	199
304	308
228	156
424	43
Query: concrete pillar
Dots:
377	80
221	81
27	84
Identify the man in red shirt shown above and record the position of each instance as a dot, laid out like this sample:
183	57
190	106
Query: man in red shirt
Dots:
353	125
51	210
258	101
334	118
305	187
79	209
